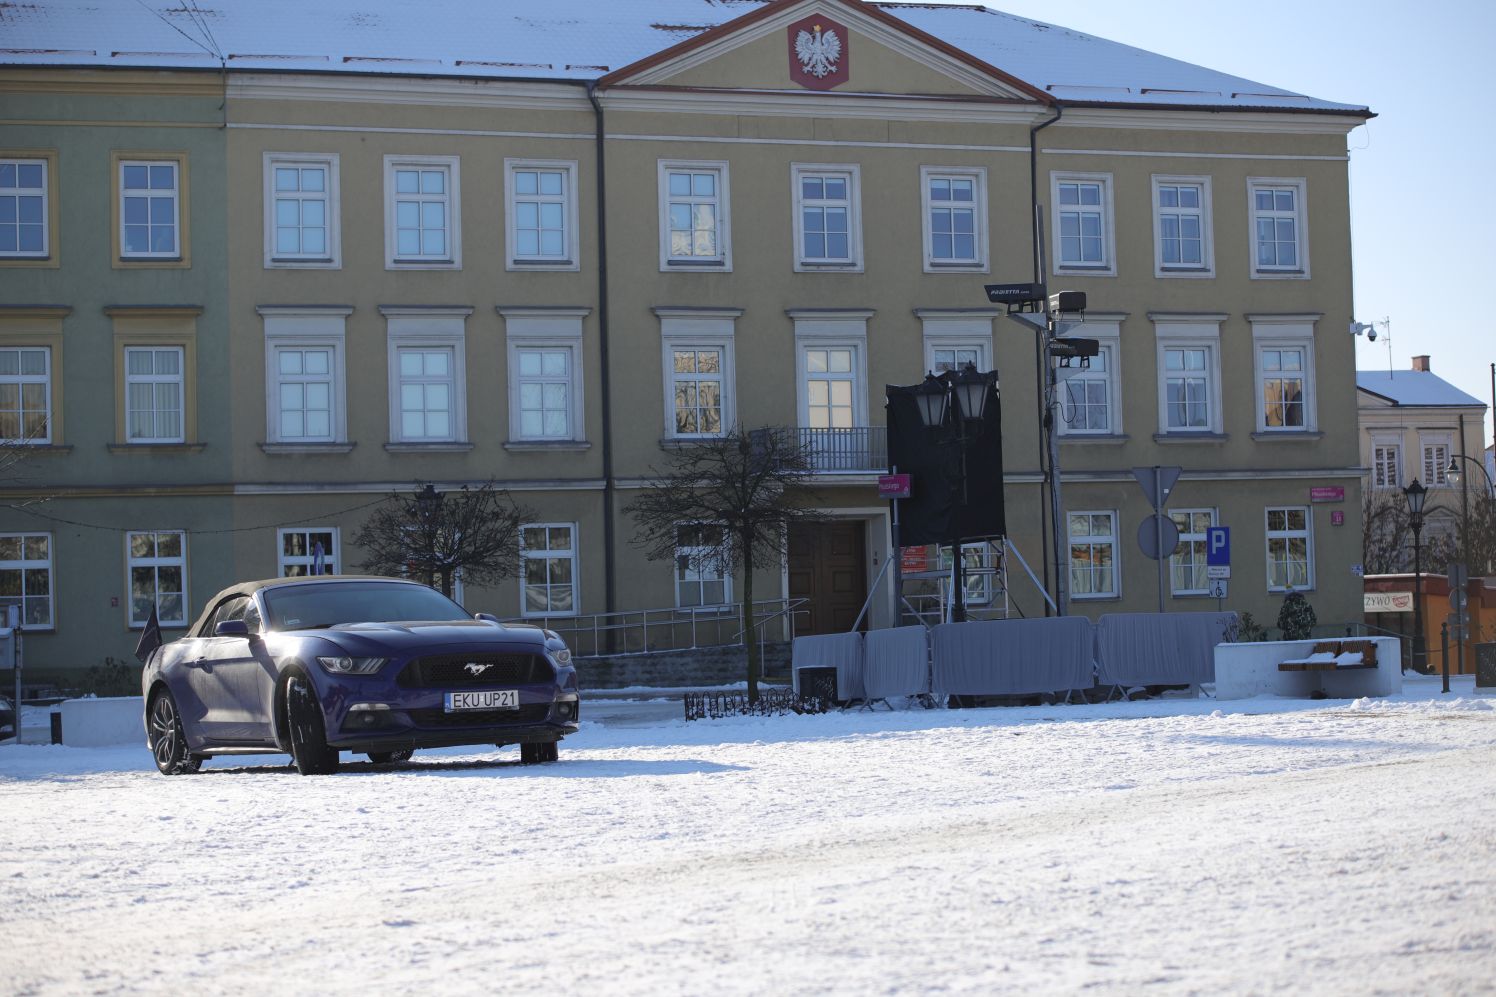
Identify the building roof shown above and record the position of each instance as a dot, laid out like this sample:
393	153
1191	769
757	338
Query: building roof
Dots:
577	40
1414	387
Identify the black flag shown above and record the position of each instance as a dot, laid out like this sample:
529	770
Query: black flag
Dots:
150	637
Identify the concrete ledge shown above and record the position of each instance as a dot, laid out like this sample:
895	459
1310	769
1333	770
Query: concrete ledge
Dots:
1246	670
96	723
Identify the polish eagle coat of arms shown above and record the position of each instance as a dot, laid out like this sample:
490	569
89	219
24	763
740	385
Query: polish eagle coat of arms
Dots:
818	51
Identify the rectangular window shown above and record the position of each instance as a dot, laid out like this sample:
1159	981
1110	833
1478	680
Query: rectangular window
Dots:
545	393
548	572
1086	395
1181	227
149	209
1093	554
23	209
541	226
154	383
301	211
696	387
1279	243
694	220
312	551
1386	465
421	218
955	208
700	575
1290	559
1186	389
26	577
426	388
955	358
1282	385
828	231
157	565
830	387
304	392
1083	222
1435	463
25	394
1187	564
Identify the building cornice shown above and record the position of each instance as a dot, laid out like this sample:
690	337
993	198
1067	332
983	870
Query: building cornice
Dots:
153	311
1227	118
441	92
175	82
810	104
670	311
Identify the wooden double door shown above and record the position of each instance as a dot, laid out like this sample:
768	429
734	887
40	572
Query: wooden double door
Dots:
828	568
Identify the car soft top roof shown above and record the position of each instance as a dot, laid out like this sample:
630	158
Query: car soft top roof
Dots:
250	588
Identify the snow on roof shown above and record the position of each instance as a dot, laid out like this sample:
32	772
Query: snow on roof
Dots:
567	40
1414	387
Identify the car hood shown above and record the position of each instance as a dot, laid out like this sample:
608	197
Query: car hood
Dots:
454	635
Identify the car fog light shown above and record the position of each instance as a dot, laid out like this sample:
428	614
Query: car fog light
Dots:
566	711
359	707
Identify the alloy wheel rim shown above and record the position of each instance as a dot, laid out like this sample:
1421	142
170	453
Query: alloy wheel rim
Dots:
164	726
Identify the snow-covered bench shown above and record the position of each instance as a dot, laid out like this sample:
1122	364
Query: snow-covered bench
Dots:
1345	669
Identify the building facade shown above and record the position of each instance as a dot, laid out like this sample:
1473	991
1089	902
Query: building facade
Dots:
272	289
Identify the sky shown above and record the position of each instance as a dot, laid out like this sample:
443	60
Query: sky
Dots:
1427	72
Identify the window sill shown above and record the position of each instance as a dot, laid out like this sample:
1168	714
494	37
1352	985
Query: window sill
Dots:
964	266
285	448
542	265
1095	439
1288	436
547	446
695	265
818	266
1211	439
449	447
118	448
1073	271
1095	598
1193	272
327	263
1280	275
422	265
682	442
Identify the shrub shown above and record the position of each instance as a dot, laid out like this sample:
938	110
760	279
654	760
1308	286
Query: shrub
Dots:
113	678
1296	617
1245	630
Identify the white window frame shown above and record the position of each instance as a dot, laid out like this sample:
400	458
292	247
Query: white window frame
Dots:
1306	534
305	329
1435	474
569	257
331	198
1094	540
700	560
546	329
156	562
722	261
962	330
20	380
698	329
1383	475
1107	265
1278	333
1206	266
1175	335
571	554
123	192
852	174
1189	536
1107	331
16	193
1300	216
978	176
518	378
25	564
330	559
179	379
452	260
428	329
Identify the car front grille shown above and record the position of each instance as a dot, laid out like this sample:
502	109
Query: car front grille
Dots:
532	713
452	671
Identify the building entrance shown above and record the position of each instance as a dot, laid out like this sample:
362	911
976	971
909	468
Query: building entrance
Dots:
828	568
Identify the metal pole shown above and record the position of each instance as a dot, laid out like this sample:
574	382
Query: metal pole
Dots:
1444	648
1420	646
958	605
898	557
1465	530
1158	529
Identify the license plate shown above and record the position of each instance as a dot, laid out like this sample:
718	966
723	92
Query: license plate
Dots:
488	699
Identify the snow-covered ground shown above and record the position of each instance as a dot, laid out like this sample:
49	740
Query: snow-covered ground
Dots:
1165	845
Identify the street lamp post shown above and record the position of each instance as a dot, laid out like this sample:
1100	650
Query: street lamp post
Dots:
1457	478
969	389
1415	493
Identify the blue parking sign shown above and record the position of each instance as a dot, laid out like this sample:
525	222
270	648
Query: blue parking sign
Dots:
1218	546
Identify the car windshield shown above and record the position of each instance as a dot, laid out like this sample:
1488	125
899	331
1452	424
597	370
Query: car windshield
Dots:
327	604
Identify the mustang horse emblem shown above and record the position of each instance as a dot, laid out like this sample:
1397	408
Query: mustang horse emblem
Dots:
818	52
476	668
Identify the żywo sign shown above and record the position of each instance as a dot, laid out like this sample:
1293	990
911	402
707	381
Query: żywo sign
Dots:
1387	602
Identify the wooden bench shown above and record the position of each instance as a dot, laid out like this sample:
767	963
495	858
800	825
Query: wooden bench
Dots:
1334	656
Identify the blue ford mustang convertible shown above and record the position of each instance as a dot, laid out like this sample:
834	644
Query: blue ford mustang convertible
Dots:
317	666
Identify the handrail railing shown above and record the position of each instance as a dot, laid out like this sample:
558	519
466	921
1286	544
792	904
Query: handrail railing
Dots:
675	628
855	448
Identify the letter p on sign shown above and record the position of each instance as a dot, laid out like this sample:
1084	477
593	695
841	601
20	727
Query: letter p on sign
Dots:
1218	546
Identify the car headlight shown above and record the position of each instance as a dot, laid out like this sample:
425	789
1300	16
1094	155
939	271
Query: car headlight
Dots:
344	665
562	656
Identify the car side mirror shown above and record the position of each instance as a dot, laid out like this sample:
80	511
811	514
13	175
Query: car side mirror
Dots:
486	617
231	628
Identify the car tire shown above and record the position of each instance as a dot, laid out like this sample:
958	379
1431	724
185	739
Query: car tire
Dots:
167	740
385	757
310	752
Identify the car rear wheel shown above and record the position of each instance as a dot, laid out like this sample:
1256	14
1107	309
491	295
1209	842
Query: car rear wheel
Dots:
535	754
385	757
167	740
309	749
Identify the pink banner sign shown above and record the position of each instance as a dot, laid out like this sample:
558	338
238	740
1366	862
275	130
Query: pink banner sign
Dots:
893	486
1327	493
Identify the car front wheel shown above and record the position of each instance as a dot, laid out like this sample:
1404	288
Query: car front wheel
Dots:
309	749
167	740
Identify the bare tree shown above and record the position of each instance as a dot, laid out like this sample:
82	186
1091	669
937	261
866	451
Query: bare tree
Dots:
1387	534
432	535
737	495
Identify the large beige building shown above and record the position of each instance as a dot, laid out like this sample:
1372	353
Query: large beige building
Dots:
544	245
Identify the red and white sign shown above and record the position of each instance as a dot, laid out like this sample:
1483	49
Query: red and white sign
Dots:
820	53
1327	493
915	558
893	486
1387	602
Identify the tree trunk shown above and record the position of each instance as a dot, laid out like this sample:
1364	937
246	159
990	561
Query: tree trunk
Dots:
749	637
446	574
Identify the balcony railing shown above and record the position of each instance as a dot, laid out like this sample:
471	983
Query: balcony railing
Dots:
859	449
